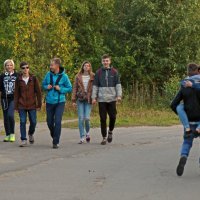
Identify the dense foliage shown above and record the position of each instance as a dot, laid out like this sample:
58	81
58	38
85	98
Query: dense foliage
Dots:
150	40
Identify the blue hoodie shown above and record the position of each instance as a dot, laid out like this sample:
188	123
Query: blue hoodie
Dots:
53	96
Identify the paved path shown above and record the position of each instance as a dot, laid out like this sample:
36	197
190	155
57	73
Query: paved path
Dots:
139	165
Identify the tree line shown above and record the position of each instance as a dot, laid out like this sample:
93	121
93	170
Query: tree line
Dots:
150	41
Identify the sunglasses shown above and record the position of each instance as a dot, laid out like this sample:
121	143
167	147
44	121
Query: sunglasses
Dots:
25	67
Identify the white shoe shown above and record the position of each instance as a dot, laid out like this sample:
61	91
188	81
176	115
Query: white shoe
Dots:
23	143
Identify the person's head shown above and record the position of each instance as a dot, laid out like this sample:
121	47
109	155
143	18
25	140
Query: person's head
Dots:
86	67
106	60
192	69
24	68
9	65
199	69
55	65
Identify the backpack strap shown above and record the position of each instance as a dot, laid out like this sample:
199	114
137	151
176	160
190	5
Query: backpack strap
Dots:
51	79
58	79
99	72
56	83
113	71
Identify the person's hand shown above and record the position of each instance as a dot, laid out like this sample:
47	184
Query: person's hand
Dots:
16	110
94	101
38	109
49	87
119	99
56	87
188	84
74	105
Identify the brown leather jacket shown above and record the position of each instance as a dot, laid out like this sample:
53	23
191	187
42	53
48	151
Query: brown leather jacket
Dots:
78	88
28	96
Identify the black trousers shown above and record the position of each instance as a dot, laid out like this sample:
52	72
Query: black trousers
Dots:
110	109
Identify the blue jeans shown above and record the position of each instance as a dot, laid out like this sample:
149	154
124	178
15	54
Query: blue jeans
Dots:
23	118
8	116
187	142
183	116
54	118
84	110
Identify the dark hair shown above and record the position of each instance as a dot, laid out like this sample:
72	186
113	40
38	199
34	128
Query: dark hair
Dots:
82	66
192	69
57	61
106	56
23	63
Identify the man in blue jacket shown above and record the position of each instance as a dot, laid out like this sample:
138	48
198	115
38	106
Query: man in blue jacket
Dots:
57	84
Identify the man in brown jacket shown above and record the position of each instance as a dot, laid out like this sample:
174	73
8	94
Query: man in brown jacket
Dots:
27	99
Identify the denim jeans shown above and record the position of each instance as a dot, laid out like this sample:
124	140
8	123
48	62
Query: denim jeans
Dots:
54	118
23	118
8	116
187	142
84	110
183	116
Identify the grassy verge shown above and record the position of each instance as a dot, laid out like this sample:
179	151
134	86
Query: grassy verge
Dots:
127	116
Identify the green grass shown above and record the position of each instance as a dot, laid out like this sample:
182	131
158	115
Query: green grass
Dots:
127	116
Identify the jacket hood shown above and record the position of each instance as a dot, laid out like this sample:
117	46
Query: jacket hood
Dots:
61	71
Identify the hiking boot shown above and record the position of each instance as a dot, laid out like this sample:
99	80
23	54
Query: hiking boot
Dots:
188	134
103	141
23	143
196	133
88	138
181	165
55	146
31	139
7	138
12	137
109	139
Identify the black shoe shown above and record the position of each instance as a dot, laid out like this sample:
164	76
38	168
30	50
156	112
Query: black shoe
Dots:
87	138
196	133
109	139
55	146
181	165
31	139
188	134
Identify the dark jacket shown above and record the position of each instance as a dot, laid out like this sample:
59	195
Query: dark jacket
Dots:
79	90
107	86
7	85
27	96
191	100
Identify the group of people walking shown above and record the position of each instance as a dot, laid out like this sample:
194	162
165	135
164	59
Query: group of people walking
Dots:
21	92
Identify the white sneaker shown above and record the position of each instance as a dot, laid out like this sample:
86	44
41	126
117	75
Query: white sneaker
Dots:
23	143
81	141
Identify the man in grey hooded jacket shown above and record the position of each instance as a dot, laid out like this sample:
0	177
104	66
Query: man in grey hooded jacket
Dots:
107	90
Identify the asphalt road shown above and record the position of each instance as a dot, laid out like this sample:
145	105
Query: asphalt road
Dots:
140	164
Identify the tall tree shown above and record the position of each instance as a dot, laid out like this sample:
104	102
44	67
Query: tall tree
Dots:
36	31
